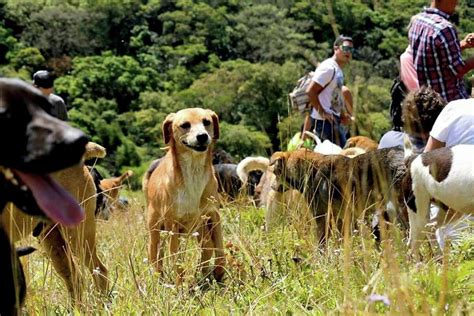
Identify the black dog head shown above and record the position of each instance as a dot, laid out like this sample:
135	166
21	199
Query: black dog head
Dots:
253	181
34	144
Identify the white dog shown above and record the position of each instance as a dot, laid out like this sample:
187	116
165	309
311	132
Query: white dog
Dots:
250	164
445	175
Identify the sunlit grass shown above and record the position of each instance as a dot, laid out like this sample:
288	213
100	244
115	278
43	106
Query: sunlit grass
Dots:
267	273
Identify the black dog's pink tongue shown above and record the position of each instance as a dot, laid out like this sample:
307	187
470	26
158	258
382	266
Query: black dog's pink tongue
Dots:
58	204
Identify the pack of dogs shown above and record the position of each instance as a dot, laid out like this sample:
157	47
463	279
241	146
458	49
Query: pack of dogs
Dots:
47	190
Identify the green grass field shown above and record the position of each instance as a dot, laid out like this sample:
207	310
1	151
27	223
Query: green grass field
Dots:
278	273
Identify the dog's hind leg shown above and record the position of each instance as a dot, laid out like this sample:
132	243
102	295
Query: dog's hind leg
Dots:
63	262
418	219
96	267
155	249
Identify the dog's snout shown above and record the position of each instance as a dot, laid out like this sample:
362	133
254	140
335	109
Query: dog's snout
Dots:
75	137
202	138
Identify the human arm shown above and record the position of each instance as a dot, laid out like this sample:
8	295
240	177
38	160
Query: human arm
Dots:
313	91
433	144
468	66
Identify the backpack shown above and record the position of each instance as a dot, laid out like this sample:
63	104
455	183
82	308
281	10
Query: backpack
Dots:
298	98
398	92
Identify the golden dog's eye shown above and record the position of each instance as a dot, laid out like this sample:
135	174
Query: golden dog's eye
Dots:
185	125
206	122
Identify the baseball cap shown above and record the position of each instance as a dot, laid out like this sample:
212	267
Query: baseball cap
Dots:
43	79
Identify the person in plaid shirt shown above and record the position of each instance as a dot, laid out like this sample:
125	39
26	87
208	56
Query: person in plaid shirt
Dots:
437	50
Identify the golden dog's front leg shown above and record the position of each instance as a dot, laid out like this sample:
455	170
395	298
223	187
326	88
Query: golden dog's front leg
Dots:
218	241
174	247
207	248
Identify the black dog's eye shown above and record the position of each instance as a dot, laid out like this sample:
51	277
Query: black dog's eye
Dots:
185	125
206	122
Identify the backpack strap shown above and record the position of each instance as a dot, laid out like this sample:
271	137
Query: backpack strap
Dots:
327	84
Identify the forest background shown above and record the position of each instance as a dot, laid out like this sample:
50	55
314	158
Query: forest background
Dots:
122	66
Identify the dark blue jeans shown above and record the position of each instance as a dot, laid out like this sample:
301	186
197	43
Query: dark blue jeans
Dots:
332	131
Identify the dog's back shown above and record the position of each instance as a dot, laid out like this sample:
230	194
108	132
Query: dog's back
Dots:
447	175
227	179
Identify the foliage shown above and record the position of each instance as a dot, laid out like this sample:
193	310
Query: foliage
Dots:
241	141
124	65
29	58
64	30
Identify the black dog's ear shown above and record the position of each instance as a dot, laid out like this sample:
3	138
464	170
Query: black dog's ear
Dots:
166	128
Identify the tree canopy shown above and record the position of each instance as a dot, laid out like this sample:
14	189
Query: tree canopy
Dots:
122	66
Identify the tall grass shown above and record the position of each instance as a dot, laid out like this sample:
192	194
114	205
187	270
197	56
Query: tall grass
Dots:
281	272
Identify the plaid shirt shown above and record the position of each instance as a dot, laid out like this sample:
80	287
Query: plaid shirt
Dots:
437	54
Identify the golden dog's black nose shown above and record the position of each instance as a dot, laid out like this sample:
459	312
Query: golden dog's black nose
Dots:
202	138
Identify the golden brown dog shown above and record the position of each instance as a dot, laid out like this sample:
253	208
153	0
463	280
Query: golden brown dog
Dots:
66	245
182	193
363	142
111	188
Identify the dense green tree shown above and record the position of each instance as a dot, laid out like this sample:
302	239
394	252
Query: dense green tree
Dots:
265	33
119	78
64	30
241	141
124	65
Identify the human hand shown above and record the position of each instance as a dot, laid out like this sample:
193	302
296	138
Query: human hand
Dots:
327	116
468	41
346	118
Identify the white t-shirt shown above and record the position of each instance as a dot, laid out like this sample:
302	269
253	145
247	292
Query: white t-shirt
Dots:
455	123
332	94
391	139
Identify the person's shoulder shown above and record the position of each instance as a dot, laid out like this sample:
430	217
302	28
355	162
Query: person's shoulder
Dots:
55	98
327	63
327	66
464	105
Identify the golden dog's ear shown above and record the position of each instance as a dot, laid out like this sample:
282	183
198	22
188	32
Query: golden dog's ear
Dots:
167	128
215	124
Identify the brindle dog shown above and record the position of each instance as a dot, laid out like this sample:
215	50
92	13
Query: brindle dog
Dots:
334	183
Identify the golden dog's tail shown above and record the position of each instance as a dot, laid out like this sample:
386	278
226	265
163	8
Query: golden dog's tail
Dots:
94	150
250	164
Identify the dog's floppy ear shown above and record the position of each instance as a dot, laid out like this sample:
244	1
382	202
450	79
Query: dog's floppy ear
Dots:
277	163
167	127
215	124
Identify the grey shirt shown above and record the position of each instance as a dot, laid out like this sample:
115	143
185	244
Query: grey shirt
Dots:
58	108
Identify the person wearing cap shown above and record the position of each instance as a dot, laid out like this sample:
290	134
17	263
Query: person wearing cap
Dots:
44	81
331	102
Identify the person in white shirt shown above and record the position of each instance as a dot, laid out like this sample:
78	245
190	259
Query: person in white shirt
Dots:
453	126
326	95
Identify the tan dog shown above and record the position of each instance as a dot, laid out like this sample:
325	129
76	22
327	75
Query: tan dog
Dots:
63	243
363	142
182	193
283	206
111	189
